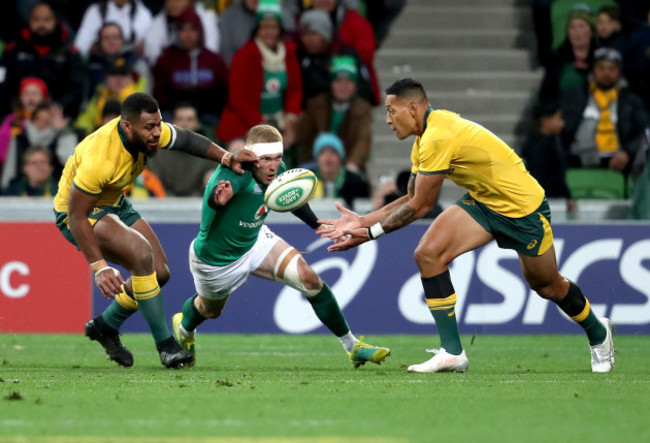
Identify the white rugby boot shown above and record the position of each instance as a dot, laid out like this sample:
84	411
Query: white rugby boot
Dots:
442	361
602	355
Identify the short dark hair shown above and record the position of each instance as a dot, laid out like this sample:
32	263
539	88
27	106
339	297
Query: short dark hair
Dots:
612	11
406	86
137	103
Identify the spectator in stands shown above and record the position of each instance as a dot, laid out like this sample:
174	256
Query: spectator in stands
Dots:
381	14
189	72
111	47
163	32
265	84
605	120
637	60
315	52
42	50
146	185
641	195
573	60
182	175
132	15
340	111
609	29
120	83
541	11
354	30
334	180
238	22
112	110
37	179
47	127
544	155
32	91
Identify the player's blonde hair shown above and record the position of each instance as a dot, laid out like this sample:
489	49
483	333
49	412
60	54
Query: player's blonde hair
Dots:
263	134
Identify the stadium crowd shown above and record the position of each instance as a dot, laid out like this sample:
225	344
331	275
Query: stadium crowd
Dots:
216	67
592	125
307	68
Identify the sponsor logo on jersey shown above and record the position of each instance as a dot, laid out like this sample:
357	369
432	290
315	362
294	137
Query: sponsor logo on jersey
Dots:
251	225
257	189
262	211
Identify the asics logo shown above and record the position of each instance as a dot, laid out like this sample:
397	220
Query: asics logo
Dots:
532	244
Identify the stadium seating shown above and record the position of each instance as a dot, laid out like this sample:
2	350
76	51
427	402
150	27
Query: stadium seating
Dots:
596	184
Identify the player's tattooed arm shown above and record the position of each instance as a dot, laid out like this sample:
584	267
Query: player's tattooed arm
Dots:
410	187
401	217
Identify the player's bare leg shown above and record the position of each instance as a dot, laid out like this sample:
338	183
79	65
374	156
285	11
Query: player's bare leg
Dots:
543	276
453	233
286	265
195	311
129	248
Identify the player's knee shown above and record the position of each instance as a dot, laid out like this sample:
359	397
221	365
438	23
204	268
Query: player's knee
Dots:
142	257
427	256
546	289
300	276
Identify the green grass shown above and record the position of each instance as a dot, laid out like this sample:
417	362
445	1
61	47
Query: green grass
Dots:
294	388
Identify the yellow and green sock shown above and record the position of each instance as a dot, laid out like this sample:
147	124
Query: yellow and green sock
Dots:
147	293
576	306
440	296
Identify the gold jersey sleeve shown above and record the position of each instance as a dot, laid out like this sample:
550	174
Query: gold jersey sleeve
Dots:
101	165
476	159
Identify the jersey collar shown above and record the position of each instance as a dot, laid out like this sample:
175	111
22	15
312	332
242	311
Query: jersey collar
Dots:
426	116
130	149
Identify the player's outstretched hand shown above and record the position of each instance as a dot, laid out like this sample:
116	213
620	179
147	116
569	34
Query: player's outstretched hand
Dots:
334	229
108	280
350	239
242	160
223	193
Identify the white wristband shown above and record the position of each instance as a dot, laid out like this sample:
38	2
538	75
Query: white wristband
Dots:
103	269
375	231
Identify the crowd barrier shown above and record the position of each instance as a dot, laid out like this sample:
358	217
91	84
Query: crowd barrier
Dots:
46	286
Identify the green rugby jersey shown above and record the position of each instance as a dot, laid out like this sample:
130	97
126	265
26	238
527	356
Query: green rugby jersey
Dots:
230	232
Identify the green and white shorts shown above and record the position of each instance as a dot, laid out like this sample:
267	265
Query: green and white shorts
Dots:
217	282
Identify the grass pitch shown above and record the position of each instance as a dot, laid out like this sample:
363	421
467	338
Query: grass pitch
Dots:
62	388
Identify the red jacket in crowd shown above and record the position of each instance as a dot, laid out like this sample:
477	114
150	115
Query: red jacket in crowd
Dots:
245	89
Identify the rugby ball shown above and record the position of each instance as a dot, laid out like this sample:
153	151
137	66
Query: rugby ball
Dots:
290	190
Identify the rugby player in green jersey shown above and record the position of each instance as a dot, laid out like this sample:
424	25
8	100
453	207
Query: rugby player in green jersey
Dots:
234	243
504	202
95	216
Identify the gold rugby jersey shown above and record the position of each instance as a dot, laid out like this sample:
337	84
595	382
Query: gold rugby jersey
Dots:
476	159
104	164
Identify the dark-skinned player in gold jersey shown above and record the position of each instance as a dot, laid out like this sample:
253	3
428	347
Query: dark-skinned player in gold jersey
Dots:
95	216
